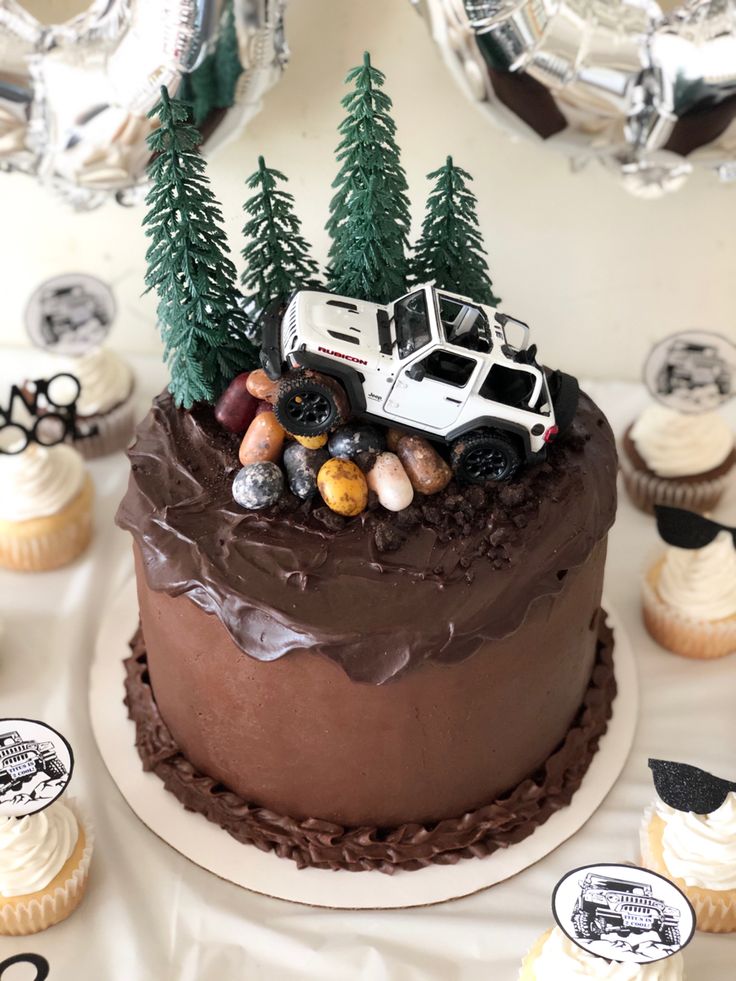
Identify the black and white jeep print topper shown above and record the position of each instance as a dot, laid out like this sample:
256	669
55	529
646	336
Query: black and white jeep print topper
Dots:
688	788
623	913
70	314
693	371
36	764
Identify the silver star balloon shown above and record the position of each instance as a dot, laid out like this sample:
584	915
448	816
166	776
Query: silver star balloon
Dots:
648	93
74	96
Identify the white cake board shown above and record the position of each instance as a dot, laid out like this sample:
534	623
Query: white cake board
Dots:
213	849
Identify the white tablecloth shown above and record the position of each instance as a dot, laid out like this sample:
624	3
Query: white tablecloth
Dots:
150	915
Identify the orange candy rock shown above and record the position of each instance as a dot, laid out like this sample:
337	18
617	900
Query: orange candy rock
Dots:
343	487
425	468
260	386
264	440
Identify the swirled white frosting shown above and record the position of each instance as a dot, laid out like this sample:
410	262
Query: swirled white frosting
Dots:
700	849
39	482
34	848
673	444
105	379
562	960
701	582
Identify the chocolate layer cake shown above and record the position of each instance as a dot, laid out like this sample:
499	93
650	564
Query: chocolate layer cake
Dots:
374	692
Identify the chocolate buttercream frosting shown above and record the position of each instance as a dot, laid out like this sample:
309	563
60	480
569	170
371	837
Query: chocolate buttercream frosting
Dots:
326	845
285	579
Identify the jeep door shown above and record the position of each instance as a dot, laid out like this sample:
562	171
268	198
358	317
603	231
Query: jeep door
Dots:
431	391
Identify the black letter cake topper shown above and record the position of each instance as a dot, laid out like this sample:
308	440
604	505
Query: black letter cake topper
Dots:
35	960
623	913
50	409
688	788
694	371
687	529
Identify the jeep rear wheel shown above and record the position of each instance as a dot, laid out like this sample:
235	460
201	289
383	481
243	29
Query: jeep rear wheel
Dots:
310	404
482	456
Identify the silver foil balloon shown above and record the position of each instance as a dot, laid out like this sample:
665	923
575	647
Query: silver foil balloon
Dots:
651	94
74	96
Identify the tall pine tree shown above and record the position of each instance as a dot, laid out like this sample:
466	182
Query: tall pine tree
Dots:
369	213
276	255
202	325
450	248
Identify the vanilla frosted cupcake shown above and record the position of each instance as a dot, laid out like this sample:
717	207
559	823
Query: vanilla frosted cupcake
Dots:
105	401
698	853
44	863
677	459
554	957
46	500
689	599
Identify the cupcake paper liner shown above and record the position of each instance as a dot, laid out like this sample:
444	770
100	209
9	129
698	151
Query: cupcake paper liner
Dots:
116	429
715	911
42	910
646	489
46	543
680	633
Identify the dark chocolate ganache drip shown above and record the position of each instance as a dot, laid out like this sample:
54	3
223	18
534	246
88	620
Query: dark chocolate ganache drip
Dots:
380	593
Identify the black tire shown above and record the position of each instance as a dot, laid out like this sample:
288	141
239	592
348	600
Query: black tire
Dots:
310	404
565	393
53	768
585	925
485	455
670	935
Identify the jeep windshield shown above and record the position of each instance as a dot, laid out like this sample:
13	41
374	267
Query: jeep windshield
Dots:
465	324
617	885
411	319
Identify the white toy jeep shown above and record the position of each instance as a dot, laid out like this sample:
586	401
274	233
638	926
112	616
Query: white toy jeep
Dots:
431	363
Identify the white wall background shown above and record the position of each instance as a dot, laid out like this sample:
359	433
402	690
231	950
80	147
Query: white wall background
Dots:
596	272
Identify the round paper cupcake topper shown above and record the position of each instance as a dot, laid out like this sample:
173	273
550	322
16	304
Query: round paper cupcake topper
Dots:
36	764
70	314
694	371
623	913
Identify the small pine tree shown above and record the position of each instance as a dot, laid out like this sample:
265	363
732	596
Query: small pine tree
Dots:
450	248
276	255
201	322
212	84
369	213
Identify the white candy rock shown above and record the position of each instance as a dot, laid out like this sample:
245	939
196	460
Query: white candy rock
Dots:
388	480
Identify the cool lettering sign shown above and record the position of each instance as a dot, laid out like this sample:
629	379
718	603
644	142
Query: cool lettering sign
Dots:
50	408
35	960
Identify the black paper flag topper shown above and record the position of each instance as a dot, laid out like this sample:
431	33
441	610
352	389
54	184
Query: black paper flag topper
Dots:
688	788
686	529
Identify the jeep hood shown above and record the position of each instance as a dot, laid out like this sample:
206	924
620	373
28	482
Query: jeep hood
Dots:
339	321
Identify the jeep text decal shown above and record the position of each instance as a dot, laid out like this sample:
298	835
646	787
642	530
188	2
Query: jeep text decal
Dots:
339	354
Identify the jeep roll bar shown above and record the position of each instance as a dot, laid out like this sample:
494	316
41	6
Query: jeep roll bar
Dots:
504	318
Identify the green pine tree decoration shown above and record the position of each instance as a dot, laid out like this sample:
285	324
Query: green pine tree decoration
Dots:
277	259
203	328
212	84
450	248
369	213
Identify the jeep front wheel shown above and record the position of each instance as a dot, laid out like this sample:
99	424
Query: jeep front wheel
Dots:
670	935
479	457
54	768
310	404
585	925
